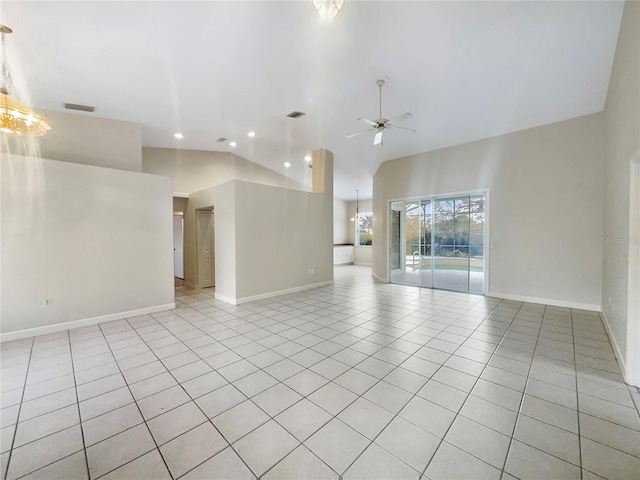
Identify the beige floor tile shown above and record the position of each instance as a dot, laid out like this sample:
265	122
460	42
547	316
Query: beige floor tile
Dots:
526	462
191	449
337	444
332	397
236	422
72	467
478	440
105	403
428	416
550	413
366	417
376	462
104	426
175	422
303	419
608	462
115	451
265	446
443	395
149	466
276	399
409	443
223	466
388	396
610	434
220	400
450	462
44	451
301	464
48	403
204	384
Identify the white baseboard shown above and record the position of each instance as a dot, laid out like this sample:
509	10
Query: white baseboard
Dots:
379	278
362	264
616	347
84	322
276	293
547	301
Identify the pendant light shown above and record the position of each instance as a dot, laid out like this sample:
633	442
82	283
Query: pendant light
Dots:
16	118
353	219
328	9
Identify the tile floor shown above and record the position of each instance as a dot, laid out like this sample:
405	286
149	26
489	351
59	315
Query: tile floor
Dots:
354	380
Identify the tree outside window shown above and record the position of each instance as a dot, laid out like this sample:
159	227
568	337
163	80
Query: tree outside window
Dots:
365	229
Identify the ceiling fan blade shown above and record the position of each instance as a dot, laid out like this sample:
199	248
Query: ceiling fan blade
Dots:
399	118
356	134
403	128
378	138
371	123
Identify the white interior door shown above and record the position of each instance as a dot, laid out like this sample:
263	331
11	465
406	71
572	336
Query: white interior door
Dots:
206	251
178	250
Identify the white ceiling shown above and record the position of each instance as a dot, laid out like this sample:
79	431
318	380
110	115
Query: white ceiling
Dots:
466	70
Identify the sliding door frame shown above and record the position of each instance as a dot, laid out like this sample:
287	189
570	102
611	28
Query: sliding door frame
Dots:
432	197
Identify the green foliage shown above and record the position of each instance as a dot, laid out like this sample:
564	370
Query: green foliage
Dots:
365	238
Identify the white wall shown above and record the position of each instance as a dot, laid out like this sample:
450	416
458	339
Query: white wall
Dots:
283	233
195	170
546	205
83	138
622	122
96	241
361	255
340	221
266	239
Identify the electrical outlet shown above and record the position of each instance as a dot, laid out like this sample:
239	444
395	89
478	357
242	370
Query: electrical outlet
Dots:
510	277
311	271
270	277
46	302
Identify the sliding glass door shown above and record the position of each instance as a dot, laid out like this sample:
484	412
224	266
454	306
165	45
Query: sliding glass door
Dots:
438	242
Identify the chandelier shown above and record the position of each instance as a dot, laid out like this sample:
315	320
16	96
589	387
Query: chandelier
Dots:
328	9
16	118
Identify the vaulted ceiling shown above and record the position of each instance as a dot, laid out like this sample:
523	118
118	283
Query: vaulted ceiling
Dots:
466	70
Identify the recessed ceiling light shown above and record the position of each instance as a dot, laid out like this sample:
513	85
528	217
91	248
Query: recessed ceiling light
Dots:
178	135
287	164
252	134
307	158
232	144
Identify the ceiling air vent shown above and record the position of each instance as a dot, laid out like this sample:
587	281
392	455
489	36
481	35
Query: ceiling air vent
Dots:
296	114
82	108
221	139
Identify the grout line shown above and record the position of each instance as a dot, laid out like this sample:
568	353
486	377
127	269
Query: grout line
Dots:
15	432
515	425
192	400
577	400
139	411
75	386
331	303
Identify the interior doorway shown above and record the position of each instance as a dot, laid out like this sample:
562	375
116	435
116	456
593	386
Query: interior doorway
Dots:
438	242
205	240
178	246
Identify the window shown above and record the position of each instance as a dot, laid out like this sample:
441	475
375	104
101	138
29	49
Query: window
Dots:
365	229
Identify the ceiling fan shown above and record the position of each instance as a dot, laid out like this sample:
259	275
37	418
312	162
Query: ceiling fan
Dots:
382	124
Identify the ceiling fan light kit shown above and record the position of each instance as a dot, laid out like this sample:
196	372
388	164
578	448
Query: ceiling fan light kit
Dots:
382	124
16	118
